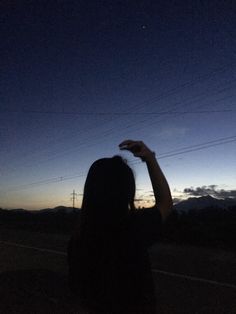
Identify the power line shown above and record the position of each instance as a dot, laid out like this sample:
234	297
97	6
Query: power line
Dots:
173	153
199	98
149	115
88	142
229	138
193	148
108	133
46	181
197	148
116	113
165	94
180	104
153	114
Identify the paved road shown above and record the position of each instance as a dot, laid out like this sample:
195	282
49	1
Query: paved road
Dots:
34	280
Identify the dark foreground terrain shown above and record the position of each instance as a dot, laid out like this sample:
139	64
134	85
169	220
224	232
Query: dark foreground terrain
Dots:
188	279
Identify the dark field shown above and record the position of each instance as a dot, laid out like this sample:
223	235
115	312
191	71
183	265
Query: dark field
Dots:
34	281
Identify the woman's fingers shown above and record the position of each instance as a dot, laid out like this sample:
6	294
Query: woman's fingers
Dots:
125	143
133	146
129	143
137	148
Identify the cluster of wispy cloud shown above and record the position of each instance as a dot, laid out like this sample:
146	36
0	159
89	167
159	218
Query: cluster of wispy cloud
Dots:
211	190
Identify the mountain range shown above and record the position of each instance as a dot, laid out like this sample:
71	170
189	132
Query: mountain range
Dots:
197	203
204	202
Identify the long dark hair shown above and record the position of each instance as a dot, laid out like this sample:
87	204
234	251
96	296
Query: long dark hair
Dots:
109	192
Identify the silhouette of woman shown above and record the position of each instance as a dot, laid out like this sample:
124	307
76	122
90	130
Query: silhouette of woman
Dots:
109	267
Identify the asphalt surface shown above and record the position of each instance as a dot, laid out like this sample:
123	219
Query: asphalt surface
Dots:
190	280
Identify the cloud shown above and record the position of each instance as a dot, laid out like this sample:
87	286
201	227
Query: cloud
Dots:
211	190
201	191
224	193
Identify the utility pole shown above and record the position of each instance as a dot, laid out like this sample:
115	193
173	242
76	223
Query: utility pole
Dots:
74	196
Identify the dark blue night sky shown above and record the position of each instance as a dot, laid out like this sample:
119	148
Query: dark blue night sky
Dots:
78	77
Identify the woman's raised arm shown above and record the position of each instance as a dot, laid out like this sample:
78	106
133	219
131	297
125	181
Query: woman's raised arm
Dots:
160	185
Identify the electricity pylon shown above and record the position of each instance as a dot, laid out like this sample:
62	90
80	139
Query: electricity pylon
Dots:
74	196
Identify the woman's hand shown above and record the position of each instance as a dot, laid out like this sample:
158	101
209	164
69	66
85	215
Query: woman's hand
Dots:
138	148
160	186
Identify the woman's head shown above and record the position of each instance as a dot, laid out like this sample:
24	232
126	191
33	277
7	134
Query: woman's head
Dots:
109	188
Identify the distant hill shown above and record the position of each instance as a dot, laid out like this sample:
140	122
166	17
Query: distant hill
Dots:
15	210
59	209
185	206
60	219
204	202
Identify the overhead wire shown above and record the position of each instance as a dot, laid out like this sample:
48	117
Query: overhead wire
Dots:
88	142
194	148
165	94
45	182
183	150
155	113
180	104
150	115
161	96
